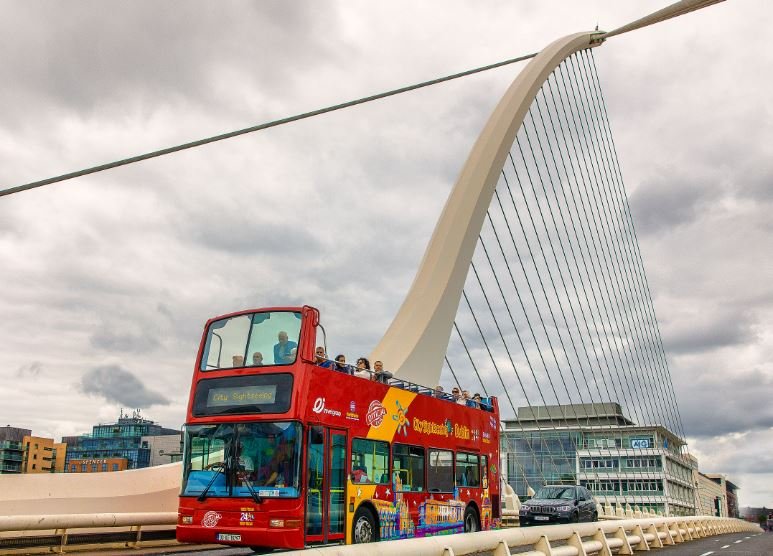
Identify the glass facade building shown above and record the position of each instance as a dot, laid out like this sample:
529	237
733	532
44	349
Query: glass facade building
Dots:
596	446
115	441
12	449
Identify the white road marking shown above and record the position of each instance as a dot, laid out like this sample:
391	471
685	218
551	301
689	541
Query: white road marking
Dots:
726	546
736	542
707	553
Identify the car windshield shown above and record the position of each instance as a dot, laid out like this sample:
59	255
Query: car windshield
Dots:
555	493
233	459
253	340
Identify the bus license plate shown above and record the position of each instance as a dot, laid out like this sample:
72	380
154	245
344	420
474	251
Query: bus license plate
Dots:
541	518
228	537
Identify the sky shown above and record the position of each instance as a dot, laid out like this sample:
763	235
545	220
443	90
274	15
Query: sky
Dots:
107	280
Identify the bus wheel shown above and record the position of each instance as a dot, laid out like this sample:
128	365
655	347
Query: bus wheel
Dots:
261	549
471	522
364	527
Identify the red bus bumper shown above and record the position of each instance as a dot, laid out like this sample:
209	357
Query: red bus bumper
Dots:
274	523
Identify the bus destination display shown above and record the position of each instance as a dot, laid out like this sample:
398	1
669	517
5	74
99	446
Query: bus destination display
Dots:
242	395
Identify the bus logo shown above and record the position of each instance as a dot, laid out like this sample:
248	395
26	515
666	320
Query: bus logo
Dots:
375	415
210	519
319	407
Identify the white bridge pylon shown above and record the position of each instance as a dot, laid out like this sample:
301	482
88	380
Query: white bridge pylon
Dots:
415	344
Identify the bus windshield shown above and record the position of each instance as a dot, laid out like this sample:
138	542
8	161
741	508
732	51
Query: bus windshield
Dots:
252	340
233	459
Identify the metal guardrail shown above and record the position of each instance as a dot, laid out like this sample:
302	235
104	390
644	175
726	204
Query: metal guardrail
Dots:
71	530
576	539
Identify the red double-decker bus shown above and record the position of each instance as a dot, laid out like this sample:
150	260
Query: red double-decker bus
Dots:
281	452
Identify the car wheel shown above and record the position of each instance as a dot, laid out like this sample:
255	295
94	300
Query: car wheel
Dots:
364	527
575	518
471	521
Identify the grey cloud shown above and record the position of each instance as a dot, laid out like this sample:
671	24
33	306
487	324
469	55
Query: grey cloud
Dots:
32	369
707	332
111	341
670	200
141	56
713	405
118	385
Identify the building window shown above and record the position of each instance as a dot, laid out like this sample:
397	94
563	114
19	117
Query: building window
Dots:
104	467
83	467
73	468
115	467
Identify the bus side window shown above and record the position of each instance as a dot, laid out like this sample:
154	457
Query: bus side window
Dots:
370	461
408	468
440	476
467	470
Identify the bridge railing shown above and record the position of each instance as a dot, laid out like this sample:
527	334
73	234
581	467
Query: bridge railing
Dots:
576	539
58	532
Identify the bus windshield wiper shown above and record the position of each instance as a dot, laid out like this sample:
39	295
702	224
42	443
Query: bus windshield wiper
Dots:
253	492
220	469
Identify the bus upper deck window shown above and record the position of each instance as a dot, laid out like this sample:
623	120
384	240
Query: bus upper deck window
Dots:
252	340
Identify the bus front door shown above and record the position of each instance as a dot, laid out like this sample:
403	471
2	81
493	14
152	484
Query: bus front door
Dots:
325	485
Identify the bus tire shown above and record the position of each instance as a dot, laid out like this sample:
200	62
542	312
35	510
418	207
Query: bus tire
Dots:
364	526
471	520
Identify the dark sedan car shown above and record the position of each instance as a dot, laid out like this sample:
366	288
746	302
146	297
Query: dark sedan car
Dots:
559	504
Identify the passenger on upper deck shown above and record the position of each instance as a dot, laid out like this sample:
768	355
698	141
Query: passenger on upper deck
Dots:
457	394
257	359
363	368
340	364
476	400
320	358
438	391
238	361
380	375
284	353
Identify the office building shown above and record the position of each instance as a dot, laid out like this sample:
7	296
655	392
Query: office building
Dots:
42	455
596	446
115	446
710	496
730	490
12	449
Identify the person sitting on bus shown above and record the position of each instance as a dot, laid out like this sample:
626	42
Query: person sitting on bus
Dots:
363	368
475	401
283	350
457	394
467	399
238	361
244	463
340	364
280	466
257	359
380	375
360	471
320	358
438	391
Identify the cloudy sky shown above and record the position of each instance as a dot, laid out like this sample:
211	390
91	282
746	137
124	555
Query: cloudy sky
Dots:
107	280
